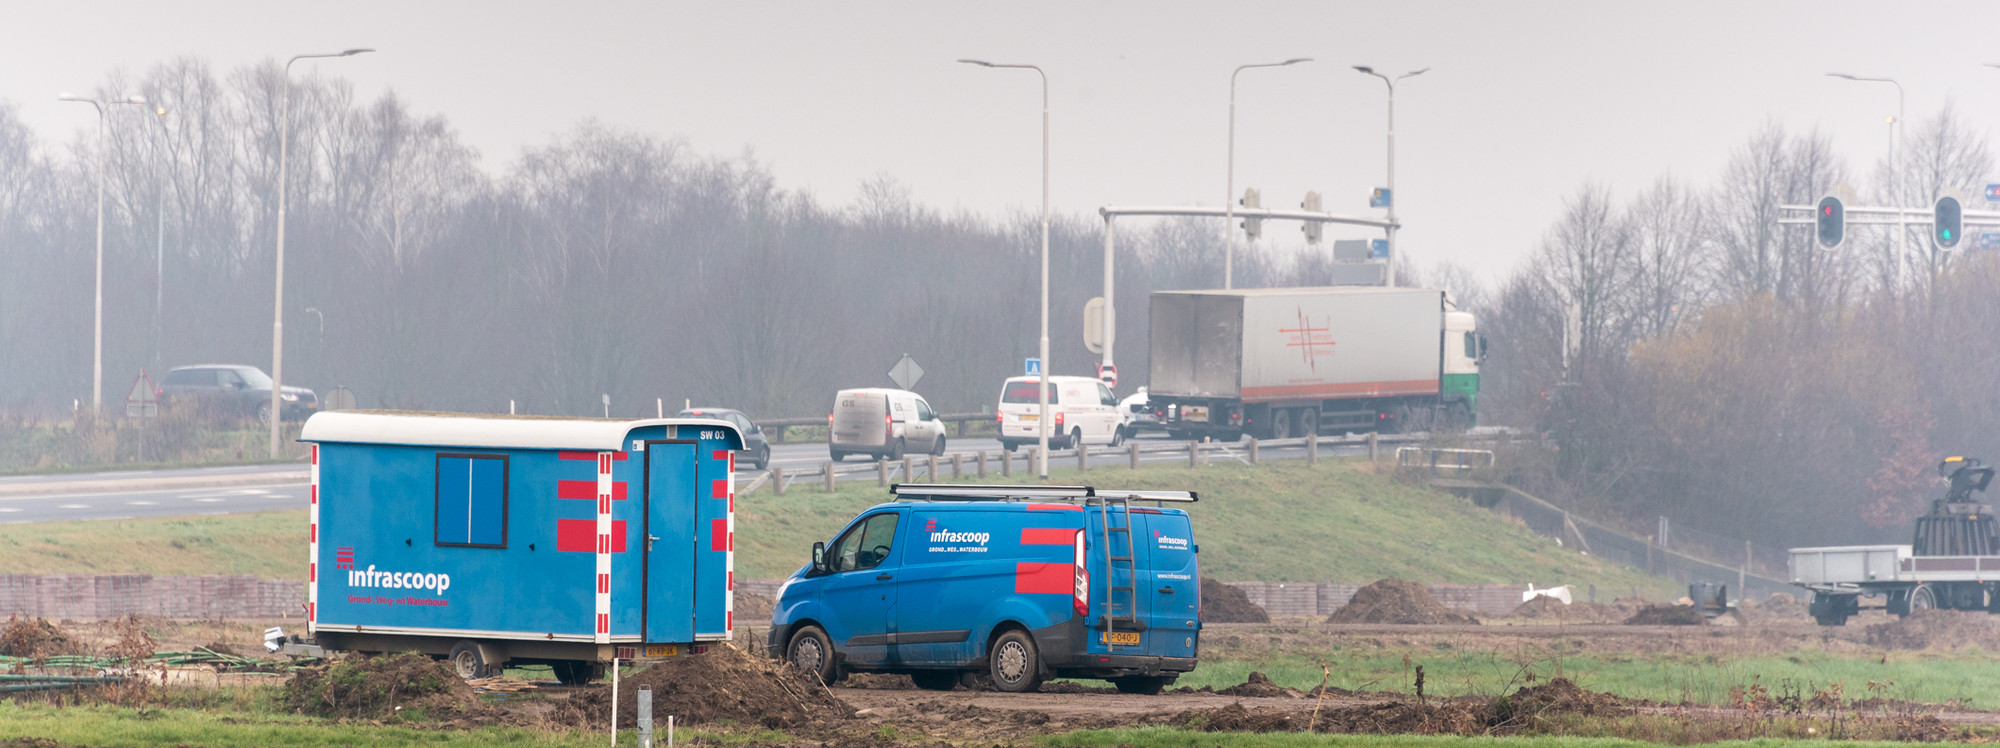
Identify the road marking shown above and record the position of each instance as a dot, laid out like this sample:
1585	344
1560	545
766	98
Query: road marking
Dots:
141	503
8	509
72	506
210	499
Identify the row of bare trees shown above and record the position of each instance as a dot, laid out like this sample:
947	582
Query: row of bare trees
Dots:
1698	360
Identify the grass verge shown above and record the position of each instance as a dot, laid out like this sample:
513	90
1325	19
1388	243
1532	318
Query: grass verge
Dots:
270	545
1169	737
116	727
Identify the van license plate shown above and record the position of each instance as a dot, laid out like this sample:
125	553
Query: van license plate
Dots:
1195	413
1119	637
1031	416
662	650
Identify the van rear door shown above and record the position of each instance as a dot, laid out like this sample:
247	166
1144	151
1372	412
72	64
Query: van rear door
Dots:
1171	575
857	419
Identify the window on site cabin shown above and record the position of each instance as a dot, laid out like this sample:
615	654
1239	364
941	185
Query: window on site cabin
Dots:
472	500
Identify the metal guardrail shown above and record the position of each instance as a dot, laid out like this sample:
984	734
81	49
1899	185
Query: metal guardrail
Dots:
780	423
1444	461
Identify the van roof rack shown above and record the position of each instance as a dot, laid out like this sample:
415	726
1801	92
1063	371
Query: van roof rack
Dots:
984	492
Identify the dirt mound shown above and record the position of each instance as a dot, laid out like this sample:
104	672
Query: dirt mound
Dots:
1222	603
380	688
1935	629
1396	601
1260	685
1545	608
722	685
36	638
1389	718
1558	696
1666	615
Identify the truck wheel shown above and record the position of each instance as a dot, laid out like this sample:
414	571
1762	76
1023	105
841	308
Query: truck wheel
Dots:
1014	662
577	672
1281	423
467	662
1142	684
935	680
812	652
1308	422
1924	597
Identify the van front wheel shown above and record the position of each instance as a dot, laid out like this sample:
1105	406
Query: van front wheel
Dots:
1016	666
811	651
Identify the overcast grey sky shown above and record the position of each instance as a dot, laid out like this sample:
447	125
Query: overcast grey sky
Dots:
1523	103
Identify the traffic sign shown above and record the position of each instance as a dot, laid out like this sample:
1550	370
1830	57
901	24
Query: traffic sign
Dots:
1033	367
142	401
906	373
1378	249
1989	241
1107	374
1993	193
1382	197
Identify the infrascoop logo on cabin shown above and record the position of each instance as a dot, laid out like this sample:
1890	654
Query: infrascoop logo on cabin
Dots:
369	578
946	541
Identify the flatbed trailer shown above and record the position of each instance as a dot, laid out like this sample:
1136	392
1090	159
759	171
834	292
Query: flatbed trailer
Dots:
1953	563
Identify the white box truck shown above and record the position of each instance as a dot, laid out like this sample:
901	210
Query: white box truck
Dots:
1285	362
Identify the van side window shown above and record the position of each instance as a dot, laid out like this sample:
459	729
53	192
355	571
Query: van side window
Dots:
471	500
1471	346
1104	396
865	545
924	412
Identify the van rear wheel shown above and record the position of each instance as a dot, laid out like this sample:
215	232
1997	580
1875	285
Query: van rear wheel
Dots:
810	650
1142	684
1015	664
895	451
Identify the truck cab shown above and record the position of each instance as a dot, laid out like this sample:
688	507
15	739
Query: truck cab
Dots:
1019	583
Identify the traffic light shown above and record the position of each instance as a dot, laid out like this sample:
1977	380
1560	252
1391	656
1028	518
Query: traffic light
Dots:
1252	227
1832	221
1947	222
1312	228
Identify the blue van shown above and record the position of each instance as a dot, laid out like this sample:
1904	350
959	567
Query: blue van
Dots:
1023	583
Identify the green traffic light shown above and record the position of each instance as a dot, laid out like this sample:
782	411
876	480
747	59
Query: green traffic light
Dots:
1946	234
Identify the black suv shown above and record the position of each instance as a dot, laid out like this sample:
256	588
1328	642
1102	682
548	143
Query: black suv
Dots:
227	390
756	450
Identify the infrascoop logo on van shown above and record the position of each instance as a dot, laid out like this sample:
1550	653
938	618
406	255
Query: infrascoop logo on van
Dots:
977	540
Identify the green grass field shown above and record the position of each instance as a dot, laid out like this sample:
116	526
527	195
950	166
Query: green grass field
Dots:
1167	737
1278	522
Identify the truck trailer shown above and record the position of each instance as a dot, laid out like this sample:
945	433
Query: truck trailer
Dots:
497	540
1284	362
1952	563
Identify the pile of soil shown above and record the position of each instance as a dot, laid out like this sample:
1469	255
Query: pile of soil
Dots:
722	685
36	638
1545	608
1935	629
1558	696
1434	717
1396	601
1781	605
1222	603
1260	685
380	688
1666	615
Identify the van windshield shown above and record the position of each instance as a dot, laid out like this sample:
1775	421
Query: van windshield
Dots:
1024	392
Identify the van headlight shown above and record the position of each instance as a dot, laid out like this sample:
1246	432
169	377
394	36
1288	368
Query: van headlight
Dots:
290	397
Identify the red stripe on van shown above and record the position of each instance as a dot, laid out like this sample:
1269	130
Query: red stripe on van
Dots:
587	489
1048	535
1054	508
580	535
1045	579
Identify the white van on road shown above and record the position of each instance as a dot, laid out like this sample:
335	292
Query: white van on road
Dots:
1082	409
883	422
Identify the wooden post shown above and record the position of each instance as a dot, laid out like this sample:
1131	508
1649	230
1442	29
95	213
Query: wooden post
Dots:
956	470
778	480
1082	458
829	478
982	463
1746	562
1253	450
1649	554
882	471
1132	449
1194	453
909	469
1312	449
932	475
1371	446
1006	463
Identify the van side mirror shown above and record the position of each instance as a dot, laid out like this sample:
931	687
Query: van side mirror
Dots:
819	558
1482	346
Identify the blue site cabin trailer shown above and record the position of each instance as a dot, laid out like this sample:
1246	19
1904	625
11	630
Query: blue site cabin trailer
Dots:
1021	583
517	539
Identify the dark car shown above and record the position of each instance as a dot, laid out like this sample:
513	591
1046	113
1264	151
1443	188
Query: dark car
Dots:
756	451
229	390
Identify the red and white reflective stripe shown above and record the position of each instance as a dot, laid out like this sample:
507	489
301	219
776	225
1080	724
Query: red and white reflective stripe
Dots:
312	546
729	558
603	585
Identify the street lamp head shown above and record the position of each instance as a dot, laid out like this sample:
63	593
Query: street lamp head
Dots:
981	63
354	51
1296	60
1416	72
1365	69
67	96
134	99
1842	75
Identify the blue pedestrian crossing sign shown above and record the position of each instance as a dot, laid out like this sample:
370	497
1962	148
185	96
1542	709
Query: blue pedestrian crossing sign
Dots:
1034	367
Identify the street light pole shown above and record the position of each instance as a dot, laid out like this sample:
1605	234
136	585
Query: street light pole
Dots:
1229	187
1389	271
160	246
1895	162
278	301
1042	383
97	356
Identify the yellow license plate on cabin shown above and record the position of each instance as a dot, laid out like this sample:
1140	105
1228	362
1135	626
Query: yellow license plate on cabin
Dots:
1118	637
662	650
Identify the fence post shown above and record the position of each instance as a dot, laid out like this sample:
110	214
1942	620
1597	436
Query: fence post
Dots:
955	469
1082	458
829	478
1371	447
1747	559
982	463
932	475
778	480
1132	448
881	471
1253	450
909	469
1006	463
1312	449
1194	453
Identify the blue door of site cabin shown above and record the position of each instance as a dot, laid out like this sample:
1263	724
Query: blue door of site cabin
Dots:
670	541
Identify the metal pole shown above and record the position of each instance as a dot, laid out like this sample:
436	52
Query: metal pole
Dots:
1042	421
1110	308
159	253
1229	189
1390	270
97	357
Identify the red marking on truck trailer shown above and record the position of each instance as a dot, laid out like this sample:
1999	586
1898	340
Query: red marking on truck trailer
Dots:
580	535
587	489
1047	535
1309	340
1044	578
1351	389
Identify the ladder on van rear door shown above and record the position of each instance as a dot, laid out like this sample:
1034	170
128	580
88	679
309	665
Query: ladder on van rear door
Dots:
1115	612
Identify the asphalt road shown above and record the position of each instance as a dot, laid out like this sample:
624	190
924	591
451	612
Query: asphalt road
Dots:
21	503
